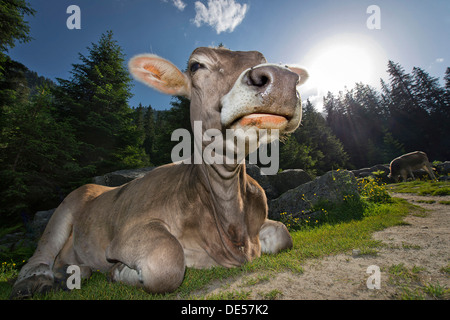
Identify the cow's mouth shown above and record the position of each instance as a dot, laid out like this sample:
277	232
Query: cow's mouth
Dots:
269	101
261	121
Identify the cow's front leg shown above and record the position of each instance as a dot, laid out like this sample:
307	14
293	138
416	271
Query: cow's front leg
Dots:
410	172
429	170
148	256
274	237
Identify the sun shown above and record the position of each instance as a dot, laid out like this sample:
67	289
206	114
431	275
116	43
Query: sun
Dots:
341	66
342	61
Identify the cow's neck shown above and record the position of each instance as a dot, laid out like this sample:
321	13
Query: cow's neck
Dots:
227	186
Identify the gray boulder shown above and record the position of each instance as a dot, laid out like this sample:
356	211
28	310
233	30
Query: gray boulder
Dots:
37	226
11	241
443	168
332	187
288	179
255	172
273	185
369	172
118	178
277	184
28	238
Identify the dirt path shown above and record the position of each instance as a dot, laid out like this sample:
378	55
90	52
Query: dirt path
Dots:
413	258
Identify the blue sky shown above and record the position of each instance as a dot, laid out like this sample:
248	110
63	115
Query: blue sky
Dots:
330	38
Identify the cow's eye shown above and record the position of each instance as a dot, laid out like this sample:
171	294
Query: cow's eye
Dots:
195	66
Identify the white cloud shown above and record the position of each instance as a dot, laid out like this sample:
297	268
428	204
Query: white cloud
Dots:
178	3
440	60
222	15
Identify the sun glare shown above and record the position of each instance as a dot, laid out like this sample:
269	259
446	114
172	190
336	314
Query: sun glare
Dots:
340	66
342	61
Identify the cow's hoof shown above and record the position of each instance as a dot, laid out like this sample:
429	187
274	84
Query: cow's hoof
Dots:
30	286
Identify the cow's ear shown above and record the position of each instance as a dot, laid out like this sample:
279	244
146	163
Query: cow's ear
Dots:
301	72
160	74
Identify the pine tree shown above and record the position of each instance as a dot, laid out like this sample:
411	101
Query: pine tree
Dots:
430	96
386	95
312	147
335	111
401	87
37	156
177	117
408	120
95	100
14	27
295	156
410	113
371	102
149	129
444	120
447	88
391	147
37	149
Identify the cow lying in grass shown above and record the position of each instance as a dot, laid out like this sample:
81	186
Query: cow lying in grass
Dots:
146	232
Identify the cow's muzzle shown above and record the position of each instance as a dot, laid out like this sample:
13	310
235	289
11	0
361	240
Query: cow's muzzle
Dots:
263	97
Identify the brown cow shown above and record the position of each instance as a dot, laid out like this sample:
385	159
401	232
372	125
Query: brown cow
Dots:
405	164
146	232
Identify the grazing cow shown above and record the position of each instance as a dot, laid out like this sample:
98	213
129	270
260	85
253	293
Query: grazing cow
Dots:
405	164
147	231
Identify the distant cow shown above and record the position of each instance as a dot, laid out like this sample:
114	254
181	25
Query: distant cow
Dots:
405	164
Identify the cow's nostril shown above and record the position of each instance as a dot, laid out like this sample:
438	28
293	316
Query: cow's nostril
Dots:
263	81
258	81
258	78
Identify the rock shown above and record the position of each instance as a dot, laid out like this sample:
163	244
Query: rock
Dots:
443	168
40	221
9	241
255	172
332	186
31	236
277	184
13	241
273	185
420	174
118	178
288	179
369	172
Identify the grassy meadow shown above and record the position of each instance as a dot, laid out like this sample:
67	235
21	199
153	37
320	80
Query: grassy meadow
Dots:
341	228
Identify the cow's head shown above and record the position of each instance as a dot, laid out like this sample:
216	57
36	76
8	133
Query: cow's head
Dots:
394	171
394	178
229	89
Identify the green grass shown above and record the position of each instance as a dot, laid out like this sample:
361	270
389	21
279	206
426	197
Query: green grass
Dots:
411	285
423	188
344	230
426	201
340	228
